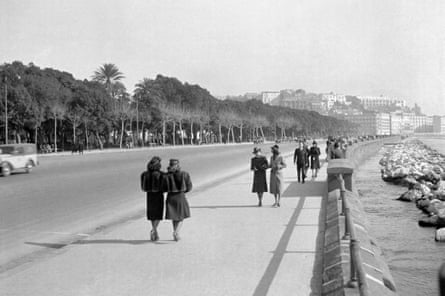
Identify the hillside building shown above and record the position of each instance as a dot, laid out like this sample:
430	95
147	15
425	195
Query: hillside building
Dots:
373	102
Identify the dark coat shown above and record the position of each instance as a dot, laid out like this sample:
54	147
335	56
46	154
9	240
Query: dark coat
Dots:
301	157
177	184
259	165
152	182
314	154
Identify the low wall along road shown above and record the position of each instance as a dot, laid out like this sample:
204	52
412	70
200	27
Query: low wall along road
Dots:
353	262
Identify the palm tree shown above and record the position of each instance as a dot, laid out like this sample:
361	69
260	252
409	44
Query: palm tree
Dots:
107	74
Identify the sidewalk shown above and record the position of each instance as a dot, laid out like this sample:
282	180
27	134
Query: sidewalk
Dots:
229	247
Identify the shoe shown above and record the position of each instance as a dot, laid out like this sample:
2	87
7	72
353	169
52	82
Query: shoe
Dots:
274	205
260	204
156	236
176	236
152	235
278	204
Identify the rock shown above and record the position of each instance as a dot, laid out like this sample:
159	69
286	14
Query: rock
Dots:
441	217
411	195
428	221
440	235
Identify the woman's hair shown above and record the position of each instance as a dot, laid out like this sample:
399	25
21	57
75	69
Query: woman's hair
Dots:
154	164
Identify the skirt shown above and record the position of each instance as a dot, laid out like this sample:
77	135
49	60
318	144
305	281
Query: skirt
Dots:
177	207
155	205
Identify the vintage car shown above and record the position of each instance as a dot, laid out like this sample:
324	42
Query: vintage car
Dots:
16	157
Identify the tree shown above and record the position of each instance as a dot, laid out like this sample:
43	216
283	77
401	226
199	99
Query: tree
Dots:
107	74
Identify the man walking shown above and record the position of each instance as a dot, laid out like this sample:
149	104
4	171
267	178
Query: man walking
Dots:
301	160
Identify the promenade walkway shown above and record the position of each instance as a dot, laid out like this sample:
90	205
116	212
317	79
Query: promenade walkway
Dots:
229	246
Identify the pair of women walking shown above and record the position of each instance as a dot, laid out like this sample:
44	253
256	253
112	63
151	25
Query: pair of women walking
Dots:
176	183
259	165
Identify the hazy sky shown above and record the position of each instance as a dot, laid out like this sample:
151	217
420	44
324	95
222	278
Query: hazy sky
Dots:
357	47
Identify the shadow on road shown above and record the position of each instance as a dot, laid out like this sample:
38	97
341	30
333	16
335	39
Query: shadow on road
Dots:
224	207
88	242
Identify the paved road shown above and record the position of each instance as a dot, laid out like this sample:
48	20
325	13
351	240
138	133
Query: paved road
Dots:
67	196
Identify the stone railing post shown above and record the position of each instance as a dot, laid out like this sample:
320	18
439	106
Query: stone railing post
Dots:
338	167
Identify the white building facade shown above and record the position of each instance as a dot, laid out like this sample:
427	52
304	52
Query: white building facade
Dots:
370	102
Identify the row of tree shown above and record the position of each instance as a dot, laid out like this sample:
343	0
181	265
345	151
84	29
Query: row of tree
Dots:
47	106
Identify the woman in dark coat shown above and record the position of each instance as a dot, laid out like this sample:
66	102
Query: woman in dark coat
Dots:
314	154
151	182
259	165
177	184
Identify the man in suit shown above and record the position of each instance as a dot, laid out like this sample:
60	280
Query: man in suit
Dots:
301	160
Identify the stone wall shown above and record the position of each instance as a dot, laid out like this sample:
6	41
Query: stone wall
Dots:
336	259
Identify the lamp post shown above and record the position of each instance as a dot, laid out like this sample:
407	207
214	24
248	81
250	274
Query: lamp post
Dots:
6	110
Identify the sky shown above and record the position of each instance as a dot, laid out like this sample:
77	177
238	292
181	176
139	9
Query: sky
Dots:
354	47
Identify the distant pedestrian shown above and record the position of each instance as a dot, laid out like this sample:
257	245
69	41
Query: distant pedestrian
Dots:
152	183
177	184
276	176
337	152
301	161
314	154
259	165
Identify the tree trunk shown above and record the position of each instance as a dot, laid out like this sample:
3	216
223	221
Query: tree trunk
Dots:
228	134
55	133
74	132
191	133
174	133
122	133
86	136
233	136
220	133
163	132
101	145
200	133
182	133
35	135
261	130
241	133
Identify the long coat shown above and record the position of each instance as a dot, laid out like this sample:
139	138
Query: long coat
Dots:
314	154
258	165
152	183
177	184
276	176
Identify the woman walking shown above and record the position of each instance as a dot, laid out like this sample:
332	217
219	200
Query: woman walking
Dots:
314	154
259	165
276	176
177	184
151	182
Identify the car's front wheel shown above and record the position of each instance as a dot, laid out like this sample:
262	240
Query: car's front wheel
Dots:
6	170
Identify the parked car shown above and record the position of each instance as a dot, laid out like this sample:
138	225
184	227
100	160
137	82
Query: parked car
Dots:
16	157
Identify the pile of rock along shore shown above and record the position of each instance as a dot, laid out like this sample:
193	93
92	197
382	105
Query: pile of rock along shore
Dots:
422	170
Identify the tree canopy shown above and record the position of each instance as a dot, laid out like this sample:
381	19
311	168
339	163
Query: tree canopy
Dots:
48	105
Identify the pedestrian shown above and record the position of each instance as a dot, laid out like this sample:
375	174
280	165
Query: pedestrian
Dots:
337	152
314	154
276	176
152	183
301	161
259	165
178	183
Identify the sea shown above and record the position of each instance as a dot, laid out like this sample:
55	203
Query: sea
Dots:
412	254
